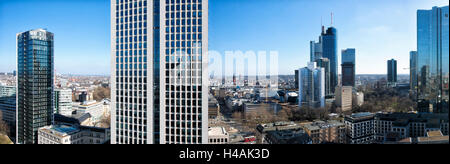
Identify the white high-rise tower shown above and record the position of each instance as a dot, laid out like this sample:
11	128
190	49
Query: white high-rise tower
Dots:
159	71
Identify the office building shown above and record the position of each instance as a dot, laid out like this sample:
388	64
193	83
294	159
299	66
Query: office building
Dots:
392	72
360	128
94	108
263	129
218	135
325	64
7	91
311	86
289	136
159	71
433	58
413	71
72	134
348	67
344	96
404	125
326	47
8	114
296	79
35	79
63	102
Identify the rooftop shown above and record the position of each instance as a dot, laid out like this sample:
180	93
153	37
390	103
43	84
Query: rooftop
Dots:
217	131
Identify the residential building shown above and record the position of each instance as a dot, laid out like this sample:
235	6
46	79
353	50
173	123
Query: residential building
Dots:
35	74
291	136
72	134
262	129
63	101
218	135
433	58
348	67
159	62
311	86
326	48
324	132
344	96
329	50
392	72
360	128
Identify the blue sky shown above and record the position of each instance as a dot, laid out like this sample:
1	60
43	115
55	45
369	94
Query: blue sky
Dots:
378	29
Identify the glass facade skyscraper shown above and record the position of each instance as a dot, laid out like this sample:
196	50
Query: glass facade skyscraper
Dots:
159	84
312	86
392	72
35	78
348	67
433	58
413	71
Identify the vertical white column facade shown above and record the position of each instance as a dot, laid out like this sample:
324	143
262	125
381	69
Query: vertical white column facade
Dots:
158	85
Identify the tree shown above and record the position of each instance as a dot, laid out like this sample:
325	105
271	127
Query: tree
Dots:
105	122
101	93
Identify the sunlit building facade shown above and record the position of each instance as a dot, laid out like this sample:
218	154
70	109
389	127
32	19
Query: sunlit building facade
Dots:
35	79
159	84
433	58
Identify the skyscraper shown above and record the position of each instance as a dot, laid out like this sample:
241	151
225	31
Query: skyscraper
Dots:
329	50
325	64
159	79
413	71
324	52
63	102
35	79
312	86
433	58
392	72
348	67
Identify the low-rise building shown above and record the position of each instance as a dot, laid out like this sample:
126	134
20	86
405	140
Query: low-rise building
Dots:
344	97
72	134
218	135
262	129
360	128
94	108
291	136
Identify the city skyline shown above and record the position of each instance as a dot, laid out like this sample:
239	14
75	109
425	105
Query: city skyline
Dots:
228	31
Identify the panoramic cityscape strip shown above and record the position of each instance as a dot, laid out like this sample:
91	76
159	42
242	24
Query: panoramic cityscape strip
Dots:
166	86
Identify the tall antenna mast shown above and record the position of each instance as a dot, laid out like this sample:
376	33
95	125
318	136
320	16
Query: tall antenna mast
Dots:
331	18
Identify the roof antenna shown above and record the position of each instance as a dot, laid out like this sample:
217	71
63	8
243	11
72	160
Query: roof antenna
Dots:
331	18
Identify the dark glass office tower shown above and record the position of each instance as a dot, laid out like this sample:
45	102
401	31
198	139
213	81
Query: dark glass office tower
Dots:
392	72
329	50
35	79
433	58
413	71
348	67
325	64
